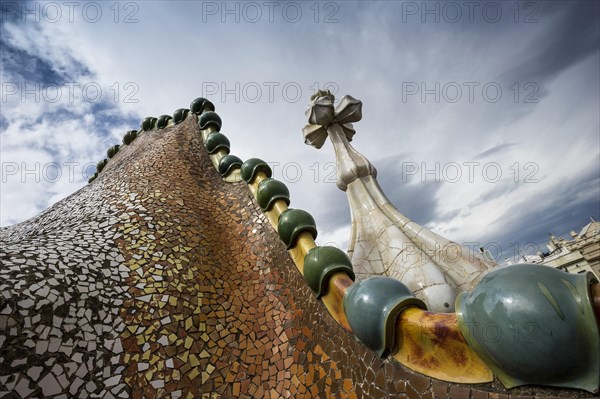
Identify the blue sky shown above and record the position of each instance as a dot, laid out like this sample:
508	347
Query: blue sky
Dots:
482	118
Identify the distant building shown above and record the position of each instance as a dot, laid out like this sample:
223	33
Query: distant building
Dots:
578	255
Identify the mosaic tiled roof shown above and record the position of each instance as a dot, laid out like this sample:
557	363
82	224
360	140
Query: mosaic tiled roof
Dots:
180	272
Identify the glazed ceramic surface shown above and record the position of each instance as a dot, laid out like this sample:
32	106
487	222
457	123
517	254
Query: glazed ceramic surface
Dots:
534	324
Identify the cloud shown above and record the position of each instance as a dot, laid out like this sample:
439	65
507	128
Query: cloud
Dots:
409	194
559	210
496	150
261	74
53	132
568	39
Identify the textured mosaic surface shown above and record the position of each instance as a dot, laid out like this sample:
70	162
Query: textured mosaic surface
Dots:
62	285
161	280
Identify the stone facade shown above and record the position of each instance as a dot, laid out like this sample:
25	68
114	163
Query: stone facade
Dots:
579	255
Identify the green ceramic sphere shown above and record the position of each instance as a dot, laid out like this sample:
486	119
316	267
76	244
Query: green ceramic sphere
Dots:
252	166
535	325
129	137
372	307
320	263
163	121
180	115
269	191
100	165
201	105
292	222
148	123
210	118
228	163
112	151
216	141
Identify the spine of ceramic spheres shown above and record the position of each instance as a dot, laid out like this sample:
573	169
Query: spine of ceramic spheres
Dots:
316	274
324	267
382	299
147	124
215	142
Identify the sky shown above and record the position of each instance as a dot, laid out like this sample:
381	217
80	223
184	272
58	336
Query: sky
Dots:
482	118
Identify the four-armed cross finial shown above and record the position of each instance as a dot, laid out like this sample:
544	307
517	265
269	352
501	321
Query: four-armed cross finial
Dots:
325	120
